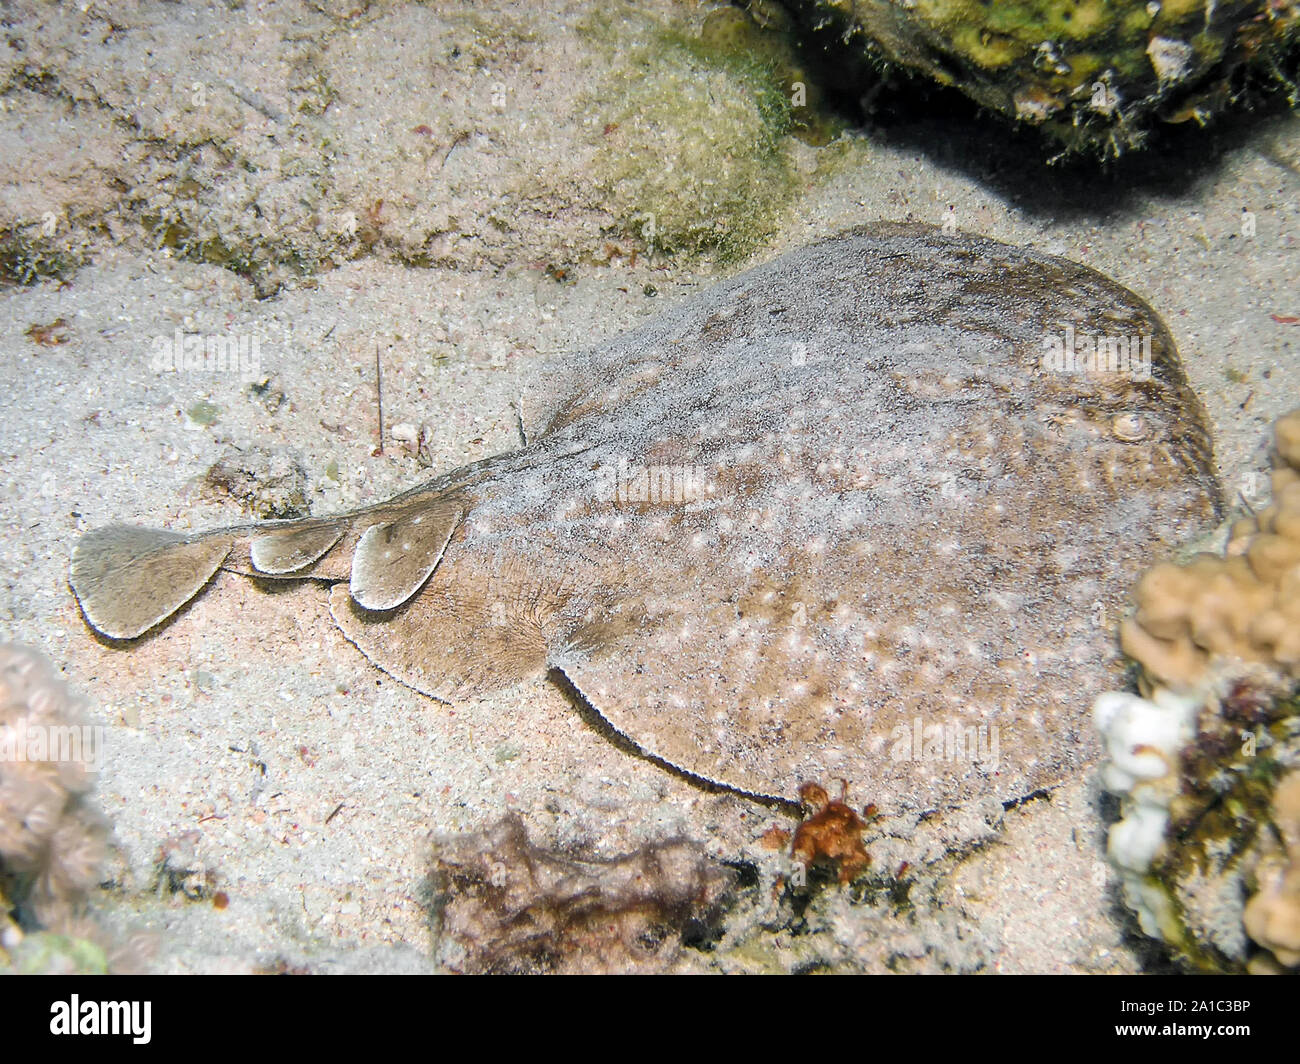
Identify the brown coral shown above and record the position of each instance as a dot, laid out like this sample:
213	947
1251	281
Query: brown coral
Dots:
1244	606
1272	916
509	906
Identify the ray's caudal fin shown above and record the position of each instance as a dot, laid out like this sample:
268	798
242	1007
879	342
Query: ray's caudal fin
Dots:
128	580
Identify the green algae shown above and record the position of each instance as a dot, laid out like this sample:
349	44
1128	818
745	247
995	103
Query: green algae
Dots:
204	413
694	155
45	952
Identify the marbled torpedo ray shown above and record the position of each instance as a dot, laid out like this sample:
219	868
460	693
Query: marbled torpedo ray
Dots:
909	526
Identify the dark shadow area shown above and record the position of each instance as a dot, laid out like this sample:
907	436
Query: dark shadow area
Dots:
1012	162
594	720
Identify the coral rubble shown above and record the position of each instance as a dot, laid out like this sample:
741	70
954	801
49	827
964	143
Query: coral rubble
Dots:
52	840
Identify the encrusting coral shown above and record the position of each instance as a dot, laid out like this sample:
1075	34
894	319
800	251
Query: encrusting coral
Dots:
1205	759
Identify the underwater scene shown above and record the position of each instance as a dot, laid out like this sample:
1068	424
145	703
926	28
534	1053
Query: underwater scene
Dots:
659	487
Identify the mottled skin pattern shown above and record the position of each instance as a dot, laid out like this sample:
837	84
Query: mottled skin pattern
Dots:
874	513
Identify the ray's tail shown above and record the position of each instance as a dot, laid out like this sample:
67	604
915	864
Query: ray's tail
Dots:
130	579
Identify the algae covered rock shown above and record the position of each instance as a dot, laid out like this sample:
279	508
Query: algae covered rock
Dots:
1090	73
506	905
693	153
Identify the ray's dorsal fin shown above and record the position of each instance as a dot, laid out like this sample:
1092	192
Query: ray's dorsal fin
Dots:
394	559
281	551
129	579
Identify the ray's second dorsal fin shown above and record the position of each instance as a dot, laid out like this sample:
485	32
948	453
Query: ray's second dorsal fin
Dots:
394	559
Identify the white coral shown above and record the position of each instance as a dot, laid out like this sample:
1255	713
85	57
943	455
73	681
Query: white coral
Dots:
1144	738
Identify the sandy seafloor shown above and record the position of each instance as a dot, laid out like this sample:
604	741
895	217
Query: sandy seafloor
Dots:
248	739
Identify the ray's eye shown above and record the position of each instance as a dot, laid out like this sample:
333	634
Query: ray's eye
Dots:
1130	427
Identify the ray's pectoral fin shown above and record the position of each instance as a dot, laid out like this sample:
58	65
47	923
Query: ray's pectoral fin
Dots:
482	622
451	641
129	579
699	702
